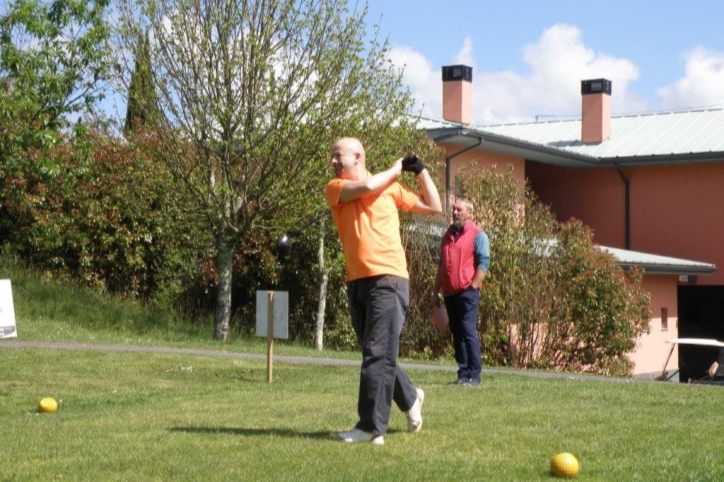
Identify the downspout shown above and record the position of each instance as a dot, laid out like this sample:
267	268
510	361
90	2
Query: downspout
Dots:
447	168
627	205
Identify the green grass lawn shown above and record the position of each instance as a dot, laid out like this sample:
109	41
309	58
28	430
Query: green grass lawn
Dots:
146	416
160	417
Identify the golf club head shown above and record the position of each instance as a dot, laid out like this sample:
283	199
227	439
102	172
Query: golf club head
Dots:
284	245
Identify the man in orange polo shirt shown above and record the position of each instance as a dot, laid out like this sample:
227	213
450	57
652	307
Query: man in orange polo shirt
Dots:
365	208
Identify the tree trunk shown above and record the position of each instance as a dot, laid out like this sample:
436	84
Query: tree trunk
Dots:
322	304
224	258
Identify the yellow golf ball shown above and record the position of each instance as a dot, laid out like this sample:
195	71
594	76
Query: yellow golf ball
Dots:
564	465
47	405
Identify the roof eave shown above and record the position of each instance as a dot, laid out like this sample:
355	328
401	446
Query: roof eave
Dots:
466	135
690	158
664	269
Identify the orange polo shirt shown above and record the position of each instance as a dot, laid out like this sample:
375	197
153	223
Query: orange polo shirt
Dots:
369	229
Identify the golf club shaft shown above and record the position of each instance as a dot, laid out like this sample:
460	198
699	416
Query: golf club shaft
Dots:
316	218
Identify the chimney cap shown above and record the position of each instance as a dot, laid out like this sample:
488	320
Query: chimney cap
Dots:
596	86
457	72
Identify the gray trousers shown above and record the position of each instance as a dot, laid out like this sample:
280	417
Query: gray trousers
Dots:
378	307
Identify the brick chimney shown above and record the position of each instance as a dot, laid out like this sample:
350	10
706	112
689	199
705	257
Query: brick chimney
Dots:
595	110
456	93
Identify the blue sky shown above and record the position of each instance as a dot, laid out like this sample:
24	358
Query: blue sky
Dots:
529	56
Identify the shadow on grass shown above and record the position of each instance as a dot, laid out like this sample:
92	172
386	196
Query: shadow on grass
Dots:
248	432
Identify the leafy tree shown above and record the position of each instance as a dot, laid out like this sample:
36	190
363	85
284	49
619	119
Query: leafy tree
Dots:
107	223
421	237
551	299
53	57
253	94
142	106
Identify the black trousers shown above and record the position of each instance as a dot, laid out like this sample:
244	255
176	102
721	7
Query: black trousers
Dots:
378	307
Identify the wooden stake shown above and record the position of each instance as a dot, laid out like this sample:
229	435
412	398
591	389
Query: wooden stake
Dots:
270	337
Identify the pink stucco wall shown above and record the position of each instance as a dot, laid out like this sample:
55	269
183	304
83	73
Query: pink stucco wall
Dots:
483	160
651	349
675	210
587	195
597	198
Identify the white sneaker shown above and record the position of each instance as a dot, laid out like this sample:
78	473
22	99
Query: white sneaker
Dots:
414	415
357	435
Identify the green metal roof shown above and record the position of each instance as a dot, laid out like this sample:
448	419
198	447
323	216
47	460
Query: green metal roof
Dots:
671	137
665	137
656	264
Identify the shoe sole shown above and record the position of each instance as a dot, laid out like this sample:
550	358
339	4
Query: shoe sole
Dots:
378	440
374	441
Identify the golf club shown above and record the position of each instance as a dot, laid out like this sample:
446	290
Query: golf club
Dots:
284	244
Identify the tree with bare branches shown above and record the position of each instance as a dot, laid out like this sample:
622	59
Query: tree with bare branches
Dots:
251	94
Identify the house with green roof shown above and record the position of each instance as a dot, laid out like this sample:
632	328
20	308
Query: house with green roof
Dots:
651	187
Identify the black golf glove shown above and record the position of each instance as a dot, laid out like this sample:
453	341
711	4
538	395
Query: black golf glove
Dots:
412	163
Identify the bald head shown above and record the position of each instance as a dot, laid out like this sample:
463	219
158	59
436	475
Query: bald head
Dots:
351	144
348	158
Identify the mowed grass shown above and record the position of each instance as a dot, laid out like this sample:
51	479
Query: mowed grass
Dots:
167	416
148	416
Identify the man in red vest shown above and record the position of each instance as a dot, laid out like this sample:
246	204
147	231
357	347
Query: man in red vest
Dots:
464	260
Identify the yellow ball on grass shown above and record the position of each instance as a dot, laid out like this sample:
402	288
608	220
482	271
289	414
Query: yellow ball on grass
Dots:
47	405
564	465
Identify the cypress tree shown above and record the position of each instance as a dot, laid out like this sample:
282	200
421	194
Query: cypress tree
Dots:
142	106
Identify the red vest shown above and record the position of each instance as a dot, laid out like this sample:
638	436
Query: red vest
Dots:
457	265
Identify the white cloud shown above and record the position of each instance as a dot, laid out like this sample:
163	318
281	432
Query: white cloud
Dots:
423	80
551	87
702	84
465	56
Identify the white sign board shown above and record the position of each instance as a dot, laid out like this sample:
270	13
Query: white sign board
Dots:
7	311
281	314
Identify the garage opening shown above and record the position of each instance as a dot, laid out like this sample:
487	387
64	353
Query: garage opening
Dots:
701	315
